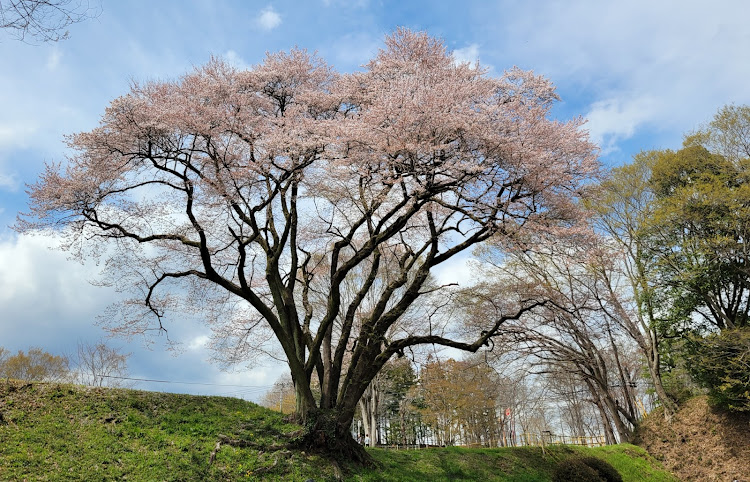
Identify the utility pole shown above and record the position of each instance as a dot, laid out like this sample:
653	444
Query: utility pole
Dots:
281	395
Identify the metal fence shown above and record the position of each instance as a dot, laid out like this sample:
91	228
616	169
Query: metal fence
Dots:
547	438
521	440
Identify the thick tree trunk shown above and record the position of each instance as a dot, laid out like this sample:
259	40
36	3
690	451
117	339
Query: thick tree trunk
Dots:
304	401
328	432
328	428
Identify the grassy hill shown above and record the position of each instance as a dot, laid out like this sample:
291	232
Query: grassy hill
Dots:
66	432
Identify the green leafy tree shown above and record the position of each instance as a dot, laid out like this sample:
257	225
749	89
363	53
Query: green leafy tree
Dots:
727	134
699	229
721	363
701	220
698	233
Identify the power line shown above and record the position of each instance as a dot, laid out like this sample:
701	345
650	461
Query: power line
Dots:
259	387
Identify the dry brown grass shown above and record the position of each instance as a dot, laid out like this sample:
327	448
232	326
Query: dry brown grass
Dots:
702	443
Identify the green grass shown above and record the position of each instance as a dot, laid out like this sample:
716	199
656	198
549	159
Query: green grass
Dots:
65	432
518	464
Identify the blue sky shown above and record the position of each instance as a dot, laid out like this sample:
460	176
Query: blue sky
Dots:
642	72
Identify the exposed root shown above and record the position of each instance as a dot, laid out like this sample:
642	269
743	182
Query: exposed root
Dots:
250	444
233	442
337	470
212	457
336	449
268	468
317	438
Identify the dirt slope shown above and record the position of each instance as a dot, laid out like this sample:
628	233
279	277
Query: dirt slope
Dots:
702	443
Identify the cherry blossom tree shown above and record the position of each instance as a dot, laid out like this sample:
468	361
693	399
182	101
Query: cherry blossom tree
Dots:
249	196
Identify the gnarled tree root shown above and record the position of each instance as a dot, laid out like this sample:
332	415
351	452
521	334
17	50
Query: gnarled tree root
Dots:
233	442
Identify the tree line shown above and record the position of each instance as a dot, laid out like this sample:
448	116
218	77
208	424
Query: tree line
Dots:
93	364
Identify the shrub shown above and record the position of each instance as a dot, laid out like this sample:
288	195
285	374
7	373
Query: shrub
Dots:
574	470
603	468
721	363
585	469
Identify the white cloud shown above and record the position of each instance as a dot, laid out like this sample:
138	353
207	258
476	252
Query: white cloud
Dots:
262	377
234	59
53	60
268	19
198	343
460	269
45	298
17	134
11	182
652	69
470	54
467	54
618	118
351	51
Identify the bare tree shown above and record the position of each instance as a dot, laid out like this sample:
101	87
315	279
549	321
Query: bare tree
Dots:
460	401
4	354
281	396
99	365
44	20
622	205
571	334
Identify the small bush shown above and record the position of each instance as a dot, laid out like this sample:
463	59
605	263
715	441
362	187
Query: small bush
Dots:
721	363
574	470
585	469
603	468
